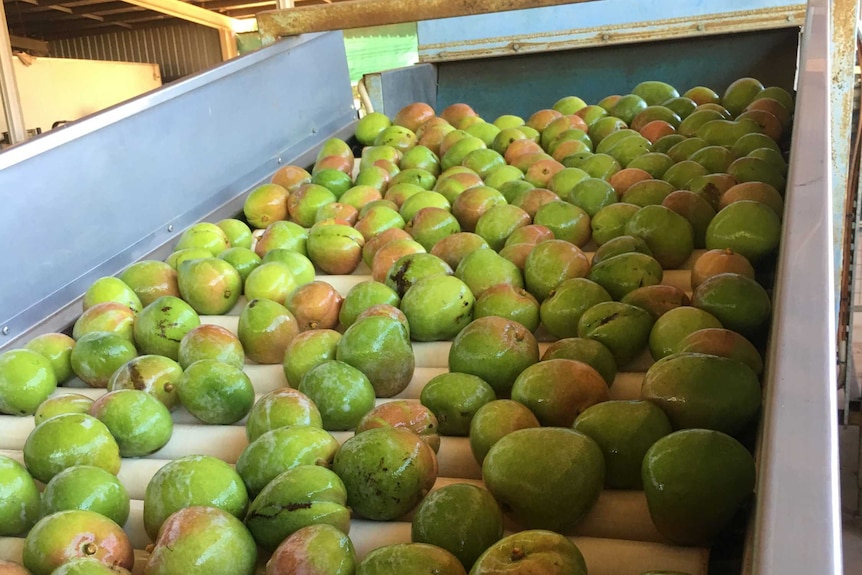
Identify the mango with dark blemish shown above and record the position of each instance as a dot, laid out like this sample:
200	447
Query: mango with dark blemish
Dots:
301	496
367	462
622	328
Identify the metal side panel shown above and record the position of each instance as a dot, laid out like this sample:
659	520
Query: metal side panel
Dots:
391	90
597	23
89	199
531	82
797	519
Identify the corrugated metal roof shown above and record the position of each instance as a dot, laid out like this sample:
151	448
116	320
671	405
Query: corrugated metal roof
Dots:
179	49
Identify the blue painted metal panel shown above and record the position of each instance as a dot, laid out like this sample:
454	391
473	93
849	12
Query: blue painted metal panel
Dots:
93	197
523	84
561	23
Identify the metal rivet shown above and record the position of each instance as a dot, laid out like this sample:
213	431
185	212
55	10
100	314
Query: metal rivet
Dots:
170	227
790	17
5	330
605	37
279	160
516	46
700	27
314	130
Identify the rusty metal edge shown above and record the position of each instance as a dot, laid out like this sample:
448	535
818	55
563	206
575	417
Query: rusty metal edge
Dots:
653	30
362	13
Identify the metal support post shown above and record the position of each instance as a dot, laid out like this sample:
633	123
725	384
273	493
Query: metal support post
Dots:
9	85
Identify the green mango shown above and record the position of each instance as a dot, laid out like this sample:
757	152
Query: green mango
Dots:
695	481
301	496
410	558
380	348
704	391
626	272
622	328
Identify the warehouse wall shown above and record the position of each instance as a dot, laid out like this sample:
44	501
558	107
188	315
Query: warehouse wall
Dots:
179	50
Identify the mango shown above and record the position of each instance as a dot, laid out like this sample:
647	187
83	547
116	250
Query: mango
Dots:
558	390
657	299
561	484
161	325
155	374
624	430
724	343
210	285
532	551
495	420
622	328
452	311
318	549
674	325
550	263
66	535
265	329
739	302
19	499
380	348
281	449
208	481
209	341
301	496
151	279
341	392
626	272
610	221
410	557
454	398
230	547
139	422
281	407
407	414
484	269
461	518
695	482
26	380
669	236
306	350
693	208
562	310
747	227
620	245
216	392
704	391
647	192
87	487
495	350
365	463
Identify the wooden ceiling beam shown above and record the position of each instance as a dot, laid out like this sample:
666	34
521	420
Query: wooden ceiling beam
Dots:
29	44
52	31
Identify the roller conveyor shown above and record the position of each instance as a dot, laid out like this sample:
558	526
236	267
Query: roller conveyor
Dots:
617	537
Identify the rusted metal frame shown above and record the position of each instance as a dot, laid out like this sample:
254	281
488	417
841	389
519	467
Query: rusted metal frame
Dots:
844	14
362	13
245	12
